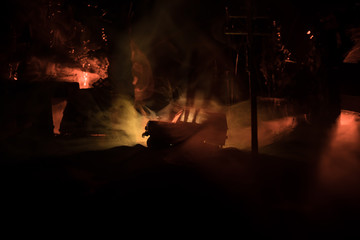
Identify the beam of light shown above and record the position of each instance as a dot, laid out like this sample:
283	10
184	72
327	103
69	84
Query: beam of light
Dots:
339	165
58	107
269	128
128	122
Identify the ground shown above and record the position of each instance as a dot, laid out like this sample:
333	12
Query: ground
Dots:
301	186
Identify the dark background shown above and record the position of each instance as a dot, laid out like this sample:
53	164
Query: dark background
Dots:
190	187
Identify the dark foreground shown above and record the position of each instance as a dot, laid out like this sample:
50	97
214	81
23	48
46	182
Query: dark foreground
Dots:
186	190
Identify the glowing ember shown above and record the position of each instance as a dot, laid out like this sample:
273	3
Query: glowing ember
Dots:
103	35
177	116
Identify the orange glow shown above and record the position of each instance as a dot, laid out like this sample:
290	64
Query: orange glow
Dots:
347	118
85	79
308	32
88	72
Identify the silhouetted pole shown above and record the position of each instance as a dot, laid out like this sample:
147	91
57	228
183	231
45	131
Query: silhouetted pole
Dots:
252	82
